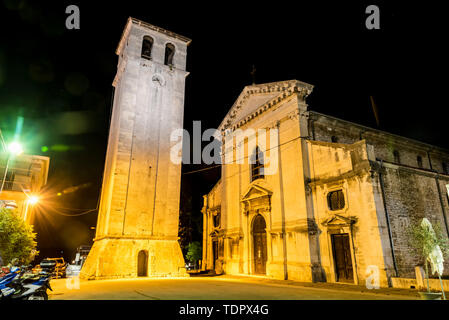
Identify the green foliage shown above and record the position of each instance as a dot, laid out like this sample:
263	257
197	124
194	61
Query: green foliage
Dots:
17	239
422	240
190	223
194	251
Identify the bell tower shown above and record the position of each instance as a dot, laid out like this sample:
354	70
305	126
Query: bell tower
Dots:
137	227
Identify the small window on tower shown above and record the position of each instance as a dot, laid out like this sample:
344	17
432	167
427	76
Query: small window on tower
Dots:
147	46
169	54
336	200
397	159
445	168
334	139
419	161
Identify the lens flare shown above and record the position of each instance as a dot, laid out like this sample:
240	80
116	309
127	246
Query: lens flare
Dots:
15	148
33	200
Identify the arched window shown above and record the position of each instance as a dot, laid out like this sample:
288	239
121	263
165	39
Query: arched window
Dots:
147	45
336	200
445	168
217	220
169	54
397	159
334	139
257	164
419	161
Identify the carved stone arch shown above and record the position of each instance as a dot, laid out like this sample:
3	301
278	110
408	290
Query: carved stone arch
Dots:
253	217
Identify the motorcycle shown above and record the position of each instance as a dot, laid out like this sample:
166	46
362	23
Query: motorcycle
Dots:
7	279
25	286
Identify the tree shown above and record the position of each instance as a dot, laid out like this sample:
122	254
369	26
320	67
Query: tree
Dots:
194	251
17	239
426	240
190	223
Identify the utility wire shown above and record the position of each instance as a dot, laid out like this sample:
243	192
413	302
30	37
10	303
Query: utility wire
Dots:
76	214
245	157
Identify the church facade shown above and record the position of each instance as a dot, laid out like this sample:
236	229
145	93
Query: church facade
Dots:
337	206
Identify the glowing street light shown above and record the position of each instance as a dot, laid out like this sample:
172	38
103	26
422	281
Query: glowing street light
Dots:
33	200
15	148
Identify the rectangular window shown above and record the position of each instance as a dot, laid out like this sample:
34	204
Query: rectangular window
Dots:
9	181
336	200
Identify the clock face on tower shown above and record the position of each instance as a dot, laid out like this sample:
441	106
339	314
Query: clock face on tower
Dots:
158	80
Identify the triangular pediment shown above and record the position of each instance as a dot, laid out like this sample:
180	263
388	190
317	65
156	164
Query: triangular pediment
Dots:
256	191
338	220
258	98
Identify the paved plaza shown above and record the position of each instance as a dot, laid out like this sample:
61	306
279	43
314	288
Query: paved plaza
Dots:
217	288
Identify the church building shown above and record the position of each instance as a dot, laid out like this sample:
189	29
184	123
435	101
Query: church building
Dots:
337	206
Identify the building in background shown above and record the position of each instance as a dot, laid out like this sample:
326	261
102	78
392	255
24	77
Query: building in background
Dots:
337	207
26	175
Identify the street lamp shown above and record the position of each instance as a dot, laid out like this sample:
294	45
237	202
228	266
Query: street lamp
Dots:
14	149
32	200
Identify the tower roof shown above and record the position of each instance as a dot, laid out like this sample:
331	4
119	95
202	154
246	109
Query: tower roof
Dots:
144	24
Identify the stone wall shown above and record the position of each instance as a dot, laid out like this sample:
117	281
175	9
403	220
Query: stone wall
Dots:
411	192
411	195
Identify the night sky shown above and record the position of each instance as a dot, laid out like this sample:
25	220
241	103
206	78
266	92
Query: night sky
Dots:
60	81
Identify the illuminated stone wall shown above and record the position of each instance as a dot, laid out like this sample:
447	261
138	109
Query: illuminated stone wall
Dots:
319	154
411	192
139	207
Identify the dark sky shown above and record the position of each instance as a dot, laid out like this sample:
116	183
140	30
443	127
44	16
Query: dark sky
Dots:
59	80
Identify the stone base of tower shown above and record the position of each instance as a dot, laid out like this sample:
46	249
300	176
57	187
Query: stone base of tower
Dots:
112	258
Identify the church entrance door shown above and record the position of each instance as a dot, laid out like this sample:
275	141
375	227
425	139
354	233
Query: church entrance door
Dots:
142	264
342	257
215	252
260	245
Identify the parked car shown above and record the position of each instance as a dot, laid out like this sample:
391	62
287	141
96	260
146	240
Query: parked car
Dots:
48	264
56	266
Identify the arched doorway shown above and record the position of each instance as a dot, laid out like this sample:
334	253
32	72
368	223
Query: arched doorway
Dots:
260	245
142	264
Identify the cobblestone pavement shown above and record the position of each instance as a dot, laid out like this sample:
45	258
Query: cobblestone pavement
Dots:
218	288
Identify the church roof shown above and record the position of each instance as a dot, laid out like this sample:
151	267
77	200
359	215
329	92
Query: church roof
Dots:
258	98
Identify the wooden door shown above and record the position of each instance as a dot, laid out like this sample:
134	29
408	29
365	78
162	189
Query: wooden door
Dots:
215	253
342	257
142	264
260	245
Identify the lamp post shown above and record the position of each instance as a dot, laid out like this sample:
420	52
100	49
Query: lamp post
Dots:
32	200
13	149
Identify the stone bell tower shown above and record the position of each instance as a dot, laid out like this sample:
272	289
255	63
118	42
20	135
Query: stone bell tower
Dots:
137	227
